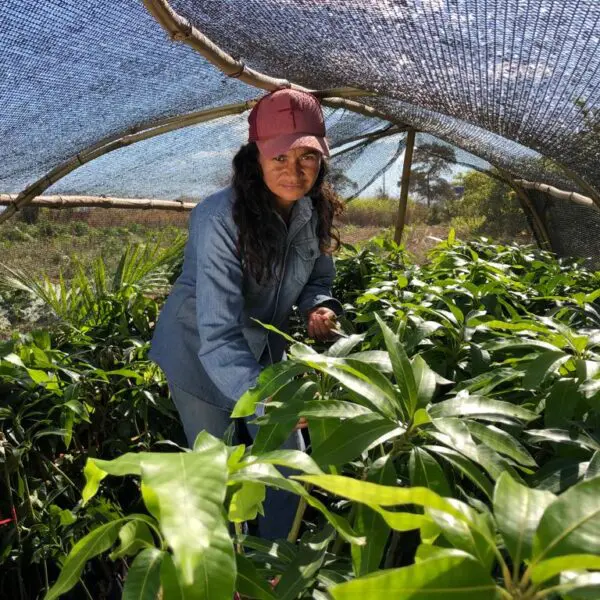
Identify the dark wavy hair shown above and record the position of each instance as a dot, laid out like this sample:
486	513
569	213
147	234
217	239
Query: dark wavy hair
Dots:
255	215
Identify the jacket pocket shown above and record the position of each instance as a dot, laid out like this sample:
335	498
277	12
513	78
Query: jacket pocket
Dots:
304	253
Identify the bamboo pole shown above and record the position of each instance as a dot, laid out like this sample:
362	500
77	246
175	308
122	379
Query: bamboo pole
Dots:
181	30
115	143
404	183
538	226
55	201
556	193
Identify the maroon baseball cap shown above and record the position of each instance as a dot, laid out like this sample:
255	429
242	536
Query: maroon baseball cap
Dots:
287	119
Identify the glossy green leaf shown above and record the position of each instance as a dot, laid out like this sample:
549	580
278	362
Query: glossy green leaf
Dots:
425	381
96	542
474	534
133	536
143	576
338	409
501	441
561	403
293	459
563	436
543	366
249	583
465	466
455	434
269	382
190	488
571	524
352	438
465	405
169	580
345	345
361	378
376	358
403	370
301	571
449	576
380	495
246	502
268	475
370	524
284	408
518	510
205	442
577	585
547	569
426	472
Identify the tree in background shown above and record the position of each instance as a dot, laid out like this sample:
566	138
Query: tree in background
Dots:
430	163
491	200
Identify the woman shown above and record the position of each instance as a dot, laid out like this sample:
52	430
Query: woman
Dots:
255	250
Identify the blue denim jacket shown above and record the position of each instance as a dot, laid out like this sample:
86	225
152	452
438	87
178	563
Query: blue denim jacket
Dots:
205	339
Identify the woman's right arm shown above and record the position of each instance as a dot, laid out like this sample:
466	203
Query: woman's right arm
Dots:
224	351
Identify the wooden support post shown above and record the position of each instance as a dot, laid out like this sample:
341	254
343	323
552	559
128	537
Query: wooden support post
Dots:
408	154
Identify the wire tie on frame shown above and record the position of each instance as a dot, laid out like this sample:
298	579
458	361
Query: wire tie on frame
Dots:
239	72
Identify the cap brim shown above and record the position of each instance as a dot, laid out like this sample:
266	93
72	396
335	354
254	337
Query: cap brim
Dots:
282	143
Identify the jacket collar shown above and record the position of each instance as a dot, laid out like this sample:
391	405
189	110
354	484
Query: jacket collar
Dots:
301	214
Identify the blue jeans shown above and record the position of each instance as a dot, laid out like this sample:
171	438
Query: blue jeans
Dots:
197	415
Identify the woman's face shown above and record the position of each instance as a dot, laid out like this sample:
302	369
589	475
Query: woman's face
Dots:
290	176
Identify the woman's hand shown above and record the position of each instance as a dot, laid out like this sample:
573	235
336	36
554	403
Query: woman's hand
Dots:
322	323
301	424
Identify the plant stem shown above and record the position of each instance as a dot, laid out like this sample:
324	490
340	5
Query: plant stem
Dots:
238	533
90	597
295	530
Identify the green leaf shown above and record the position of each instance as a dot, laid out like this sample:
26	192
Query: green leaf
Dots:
96	542
284	408
472	406
562	436
379	495
269	382
571	524
561	403
361	378
425	379
578	585
190	489
571	562
246	502
248	581
455	434
593	469
353	437
318	409
133	536
281	550
518	510
401	521
169	581
93	476
368	523
205	442
345	345
379	359
426	472
268	475
403	370
502	442
543	366
465	466
457	576
294	459
143	577
301	571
